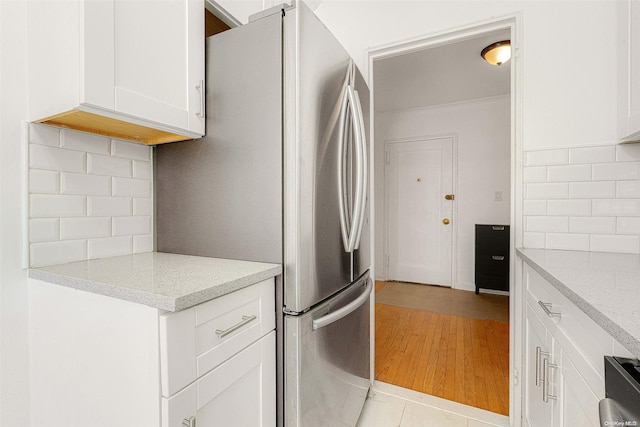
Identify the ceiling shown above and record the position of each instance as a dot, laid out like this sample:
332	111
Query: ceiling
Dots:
440	75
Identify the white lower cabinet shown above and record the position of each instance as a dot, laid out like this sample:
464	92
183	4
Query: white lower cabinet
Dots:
103	362
240	392
564	350
537	411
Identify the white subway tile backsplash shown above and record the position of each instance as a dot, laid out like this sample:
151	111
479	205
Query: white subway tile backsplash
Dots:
628	225
616	171
130	150
84	228
56	159
44	182
615	207
556	190
51	253
51	206
44	230
605	243
583	198
142	243
143	206
44	135
547	224
81	196
569	207
535	174
534	207
569	173
628	189
131	225
108	206
547	157
628	152
110	246
592	155
131	187
569	242
592	190
106	165
80	141
534	240
91	185
592	225
142	170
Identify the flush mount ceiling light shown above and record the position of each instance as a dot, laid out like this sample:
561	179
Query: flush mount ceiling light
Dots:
497	53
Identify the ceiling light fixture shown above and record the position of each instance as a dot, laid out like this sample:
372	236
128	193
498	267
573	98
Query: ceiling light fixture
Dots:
497	53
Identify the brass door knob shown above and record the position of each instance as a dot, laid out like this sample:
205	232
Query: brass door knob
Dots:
446	221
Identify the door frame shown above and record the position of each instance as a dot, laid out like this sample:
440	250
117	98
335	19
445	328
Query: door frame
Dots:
513	23
454	215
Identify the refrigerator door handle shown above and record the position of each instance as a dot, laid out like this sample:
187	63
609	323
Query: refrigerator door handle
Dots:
359	199
346	310
363	147
345	222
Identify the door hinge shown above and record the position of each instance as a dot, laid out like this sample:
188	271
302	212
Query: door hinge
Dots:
387	157
387	261
516	378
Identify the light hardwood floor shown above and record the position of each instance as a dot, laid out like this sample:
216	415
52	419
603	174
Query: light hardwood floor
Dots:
457	358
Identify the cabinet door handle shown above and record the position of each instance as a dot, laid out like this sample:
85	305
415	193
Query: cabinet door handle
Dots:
497	257
200	87
189	422
497	227
245	320
547	382
539	354
546	307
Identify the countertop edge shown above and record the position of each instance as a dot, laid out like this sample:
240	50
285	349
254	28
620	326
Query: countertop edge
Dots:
154	300
101	288
628	340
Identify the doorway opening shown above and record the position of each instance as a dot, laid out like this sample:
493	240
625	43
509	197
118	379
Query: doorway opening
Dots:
443	154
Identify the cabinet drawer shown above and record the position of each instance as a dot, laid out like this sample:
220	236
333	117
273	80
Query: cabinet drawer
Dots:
492	239
583	341
196	340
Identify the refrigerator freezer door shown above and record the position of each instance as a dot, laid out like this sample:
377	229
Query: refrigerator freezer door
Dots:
316	68
221	196
327	372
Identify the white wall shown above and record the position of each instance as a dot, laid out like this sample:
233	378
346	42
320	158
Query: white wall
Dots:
483	133
568	90
14	355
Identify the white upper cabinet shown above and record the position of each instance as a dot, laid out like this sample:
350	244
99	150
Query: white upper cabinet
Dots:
242	9
129	69
629	71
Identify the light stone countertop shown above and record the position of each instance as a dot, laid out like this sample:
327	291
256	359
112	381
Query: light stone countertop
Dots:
606	286
166	281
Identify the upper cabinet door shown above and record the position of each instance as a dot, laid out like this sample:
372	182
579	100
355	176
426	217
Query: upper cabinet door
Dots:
159	62
129	69
629	71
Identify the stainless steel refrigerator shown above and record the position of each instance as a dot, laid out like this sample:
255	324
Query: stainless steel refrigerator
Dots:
282	176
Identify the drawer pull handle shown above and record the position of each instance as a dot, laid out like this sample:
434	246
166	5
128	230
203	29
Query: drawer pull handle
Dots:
539	354
497	257
546	395
189	422
546	307
497	227
245	320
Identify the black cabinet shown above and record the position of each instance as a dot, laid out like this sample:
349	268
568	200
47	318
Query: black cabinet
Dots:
492	257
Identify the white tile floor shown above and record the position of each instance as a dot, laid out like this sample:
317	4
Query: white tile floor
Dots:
391	406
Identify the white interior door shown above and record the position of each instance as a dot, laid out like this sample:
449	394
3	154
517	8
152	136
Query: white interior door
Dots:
419	174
